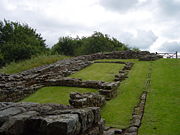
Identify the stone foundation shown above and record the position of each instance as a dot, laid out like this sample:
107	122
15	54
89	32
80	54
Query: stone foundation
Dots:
15	87
81	100
108	89
53	119
48	119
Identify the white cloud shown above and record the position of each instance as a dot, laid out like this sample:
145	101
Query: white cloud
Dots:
118	5
146	24
170	47
142	39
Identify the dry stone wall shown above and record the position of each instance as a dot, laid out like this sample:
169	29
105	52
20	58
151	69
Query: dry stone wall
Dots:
46	119
108	89
81	100
17	86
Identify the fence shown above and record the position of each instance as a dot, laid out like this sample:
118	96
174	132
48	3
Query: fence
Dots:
169	55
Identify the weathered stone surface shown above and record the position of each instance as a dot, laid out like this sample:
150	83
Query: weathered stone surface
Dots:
132	129
48	119
11	111
65	124
113	131
80	100
150	57
15	125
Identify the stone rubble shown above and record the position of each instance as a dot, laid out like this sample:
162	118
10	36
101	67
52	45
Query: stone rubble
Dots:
81	100
137	116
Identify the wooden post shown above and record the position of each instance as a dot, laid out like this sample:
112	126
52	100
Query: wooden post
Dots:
176	54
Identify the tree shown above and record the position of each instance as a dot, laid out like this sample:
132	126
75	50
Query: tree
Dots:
19	41
65	46
97	42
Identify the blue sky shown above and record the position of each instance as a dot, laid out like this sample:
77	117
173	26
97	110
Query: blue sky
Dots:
147	24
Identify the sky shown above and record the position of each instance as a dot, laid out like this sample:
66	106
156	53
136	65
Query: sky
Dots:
152	25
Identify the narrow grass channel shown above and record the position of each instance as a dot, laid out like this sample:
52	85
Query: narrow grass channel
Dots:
118	111
58	95
162	110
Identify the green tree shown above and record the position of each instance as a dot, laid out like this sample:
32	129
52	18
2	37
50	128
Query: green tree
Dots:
19	41
65	46
97	42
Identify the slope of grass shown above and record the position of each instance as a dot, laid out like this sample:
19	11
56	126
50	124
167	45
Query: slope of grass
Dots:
16	67
162	110
58	95
99	71
118	111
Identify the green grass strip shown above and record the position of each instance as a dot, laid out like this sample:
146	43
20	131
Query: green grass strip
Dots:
58	95
99	71
118	111
162	110
37	61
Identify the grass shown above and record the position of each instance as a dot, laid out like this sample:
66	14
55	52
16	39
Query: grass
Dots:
16	67
118	111
161	115
162	110
58	95
99	71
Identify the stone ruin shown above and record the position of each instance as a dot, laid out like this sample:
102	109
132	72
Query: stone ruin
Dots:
48	119
79	100
81	118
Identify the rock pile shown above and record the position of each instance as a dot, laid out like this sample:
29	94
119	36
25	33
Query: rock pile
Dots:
150	57
81	100
137	116
124	72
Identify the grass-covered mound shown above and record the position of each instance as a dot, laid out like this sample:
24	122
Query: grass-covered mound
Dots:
16	67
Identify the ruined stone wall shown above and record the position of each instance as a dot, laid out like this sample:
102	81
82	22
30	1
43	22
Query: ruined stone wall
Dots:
17	86
40	119
48	119
90	99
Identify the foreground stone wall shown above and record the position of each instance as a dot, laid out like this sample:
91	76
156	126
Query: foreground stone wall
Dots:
48	119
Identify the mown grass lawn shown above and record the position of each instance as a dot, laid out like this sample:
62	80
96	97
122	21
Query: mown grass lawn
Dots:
162	110
118	111
161	115
37	61
58	95
99	71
